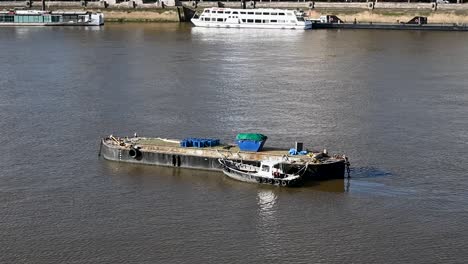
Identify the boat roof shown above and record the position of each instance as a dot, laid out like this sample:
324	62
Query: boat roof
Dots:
40	12
241	9
70	12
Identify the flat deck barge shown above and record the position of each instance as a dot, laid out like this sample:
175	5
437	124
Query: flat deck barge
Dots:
166	152
430	27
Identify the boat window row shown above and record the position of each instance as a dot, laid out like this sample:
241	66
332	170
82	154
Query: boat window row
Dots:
29	18
7	18
248	13
258	21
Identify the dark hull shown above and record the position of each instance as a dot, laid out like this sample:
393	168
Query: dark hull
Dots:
334	170
430	27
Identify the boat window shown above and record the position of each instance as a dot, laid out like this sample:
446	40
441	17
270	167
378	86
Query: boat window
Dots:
266	13
258	13
235	13
258	21
242	13
299	18
281	14
227	12
274	21
213	19
220	12
250	13
249	20
220	20
7	18
266	21
274	14
243	20
265	168
207	11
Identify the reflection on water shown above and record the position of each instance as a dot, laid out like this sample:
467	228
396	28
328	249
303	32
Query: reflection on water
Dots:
267	225
266	200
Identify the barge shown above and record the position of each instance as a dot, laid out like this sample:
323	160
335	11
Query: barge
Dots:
50	18
167	152
417	23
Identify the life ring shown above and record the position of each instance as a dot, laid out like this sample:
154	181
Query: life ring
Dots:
284	183
134	153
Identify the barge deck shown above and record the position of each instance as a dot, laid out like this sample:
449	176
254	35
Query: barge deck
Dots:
428	27
165	152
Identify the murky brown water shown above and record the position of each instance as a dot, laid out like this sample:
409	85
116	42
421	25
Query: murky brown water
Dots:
395	102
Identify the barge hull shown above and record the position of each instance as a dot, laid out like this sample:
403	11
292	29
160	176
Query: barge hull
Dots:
389	26
324	171
161	159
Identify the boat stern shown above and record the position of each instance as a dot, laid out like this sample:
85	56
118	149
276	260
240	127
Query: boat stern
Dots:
97	19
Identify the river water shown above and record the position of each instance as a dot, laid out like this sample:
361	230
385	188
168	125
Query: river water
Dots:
396	102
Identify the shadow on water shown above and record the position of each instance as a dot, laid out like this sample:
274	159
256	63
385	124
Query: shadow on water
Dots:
338	185
128	173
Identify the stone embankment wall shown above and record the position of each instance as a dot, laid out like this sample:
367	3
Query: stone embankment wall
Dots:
387	12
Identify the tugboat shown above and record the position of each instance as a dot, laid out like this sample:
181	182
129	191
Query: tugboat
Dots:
270	172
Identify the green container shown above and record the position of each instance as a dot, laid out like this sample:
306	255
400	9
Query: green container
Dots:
251	136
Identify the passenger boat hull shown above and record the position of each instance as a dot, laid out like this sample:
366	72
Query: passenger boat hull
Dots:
258	26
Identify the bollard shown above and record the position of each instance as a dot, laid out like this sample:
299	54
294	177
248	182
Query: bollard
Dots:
103	4
311	5
131	4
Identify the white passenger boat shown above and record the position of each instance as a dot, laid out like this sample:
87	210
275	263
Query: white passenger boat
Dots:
269	172
251	18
